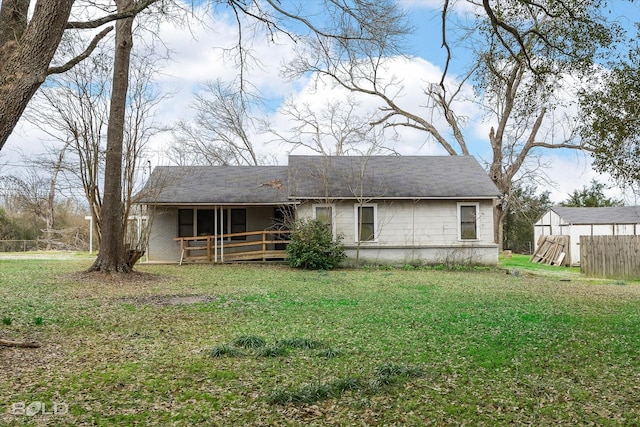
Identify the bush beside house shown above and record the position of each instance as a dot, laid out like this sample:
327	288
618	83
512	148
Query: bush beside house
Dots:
313	246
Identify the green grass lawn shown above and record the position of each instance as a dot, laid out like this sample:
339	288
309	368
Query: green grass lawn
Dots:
265	345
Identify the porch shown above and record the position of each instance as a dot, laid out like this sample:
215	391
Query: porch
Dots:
263	245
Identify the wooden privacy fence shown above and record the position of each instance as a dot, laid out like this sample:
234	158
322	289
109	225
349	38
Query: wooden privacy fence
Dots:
613	257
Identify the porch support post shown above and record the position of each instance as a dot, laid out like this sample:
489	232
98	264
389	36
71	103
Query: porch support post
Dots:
221	235
264	245
215	233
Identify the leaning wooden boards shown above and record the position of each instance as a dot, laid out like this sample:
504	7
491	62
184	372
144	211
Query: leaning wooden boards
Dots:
552	250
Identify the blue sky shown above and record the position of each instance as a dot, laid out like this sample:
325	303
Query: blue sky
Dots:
568	169
197	58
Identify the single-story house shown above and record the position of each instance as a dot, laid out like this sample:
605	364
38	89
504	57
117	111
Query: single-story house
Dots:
576	222
387	209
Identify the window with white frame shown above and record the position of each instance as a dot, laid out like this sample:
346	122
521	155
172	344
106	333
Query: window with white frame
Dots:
366	225
468	221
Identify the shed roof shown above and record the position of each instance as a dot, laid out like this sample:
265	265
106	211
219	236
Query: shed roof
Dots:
315	177
389	177
606	215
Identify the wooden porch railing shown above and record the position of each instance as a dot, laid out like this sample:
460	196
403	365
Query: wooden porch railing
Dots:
223	248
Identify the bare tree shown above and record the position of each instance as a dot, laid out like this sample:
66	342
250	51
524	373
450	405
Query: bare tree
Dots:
34	193
523	49
87	111
56	168
73	112
28	43
28	195
220	133
357	178
141	126
336	128
353	21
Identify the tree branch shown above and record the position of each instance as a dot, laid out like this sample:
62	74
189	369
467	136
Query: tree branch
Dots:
75	61
21	344
445	45
138	7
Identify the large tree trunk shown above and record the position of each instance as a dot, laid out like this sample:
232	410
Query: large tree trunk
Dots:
13	22
25	54
113	256
499	215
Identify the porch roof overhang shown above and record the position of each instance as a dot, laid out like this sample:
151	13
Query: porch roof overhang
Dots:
216	186
218	204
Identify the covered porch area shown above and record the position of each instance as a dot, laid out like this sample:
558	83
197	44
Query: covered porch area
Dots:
220	233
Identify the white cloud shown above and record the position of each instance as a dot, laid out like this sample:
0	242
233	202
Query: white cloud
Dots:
570	170
199	56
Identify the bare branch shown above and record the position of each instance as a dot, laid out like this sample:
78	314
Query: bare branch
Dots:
445	9
88	51
137	7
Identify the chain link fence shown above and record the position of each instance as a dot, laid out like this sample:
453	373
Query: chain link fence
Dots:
21	245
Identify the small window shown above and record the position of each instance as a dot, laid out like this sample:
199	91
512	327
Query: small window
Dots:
365	223
205	218
468	222
324	213
282	217
238	223
185	222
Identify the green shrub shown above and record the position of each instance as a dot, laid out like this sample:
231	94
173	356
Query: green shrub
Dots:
303	343
316	392
249	341
313	246
271	351
225	350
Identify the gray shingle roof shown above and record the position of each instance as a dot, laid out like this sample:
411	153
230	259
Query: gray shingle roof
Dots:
609	215
389	177
216	185
319	177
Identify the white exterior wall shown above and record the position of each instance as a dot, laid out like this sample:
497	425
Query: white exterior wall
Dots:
574	232
545	226
552	224
164	228
425	231
407	232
